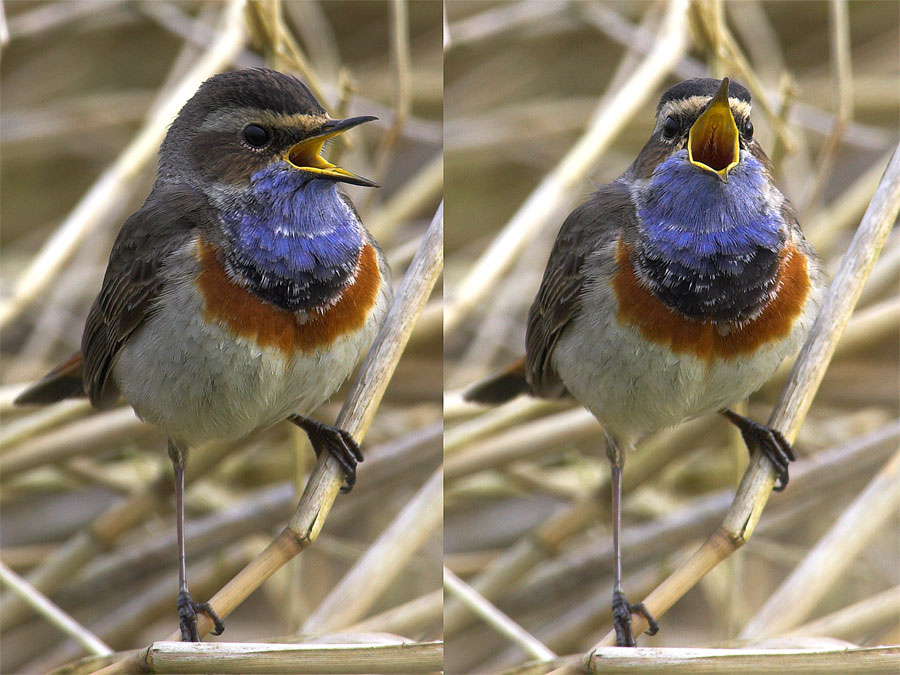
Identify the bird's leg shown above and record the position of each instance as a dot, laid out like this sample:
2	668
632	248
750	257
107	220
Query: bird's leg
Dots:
769	441
187	608
620	606
338	442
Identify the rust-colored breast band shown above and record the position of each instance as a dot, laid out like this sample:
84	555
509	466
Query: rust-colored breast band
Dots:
245	315
656	322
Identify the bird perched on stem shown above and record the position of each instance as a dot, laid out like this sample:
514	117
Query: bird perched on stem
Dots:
244	290
672	292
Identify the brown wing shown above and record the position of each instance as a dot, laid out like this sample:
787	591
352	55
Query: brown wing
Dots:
165	223
588	228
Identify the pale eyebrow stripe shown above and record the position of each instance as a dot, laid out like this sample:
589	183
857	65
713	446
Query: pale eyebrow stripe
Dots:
693	104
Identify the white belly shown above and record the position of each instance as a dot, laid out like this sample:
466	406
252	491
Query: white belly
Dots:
198	382
635	387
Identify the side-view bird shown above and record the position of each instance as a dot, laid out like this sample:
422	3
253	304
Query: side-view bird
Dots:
672	292
244	290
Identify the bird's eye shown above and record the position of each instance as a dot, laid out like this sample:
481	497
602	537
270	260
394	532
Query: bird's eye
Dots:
748	130
670	127
255	135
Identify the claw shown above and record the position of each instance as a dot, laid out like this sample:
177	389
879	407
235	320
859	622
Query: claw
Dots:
622	612
187	616
337	442
770	442
652	624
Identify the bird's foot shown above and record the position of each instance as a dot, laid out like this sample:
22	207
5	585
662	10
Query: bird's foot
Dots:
187	617
769	441
622	611
338	442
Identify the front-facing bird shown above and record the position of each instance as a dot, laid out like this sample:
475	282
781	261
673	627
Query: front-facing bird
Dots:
245	289
674	291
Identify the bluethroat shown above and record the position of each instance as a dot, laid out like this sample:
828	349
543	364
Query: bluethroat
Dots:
244	290
672	292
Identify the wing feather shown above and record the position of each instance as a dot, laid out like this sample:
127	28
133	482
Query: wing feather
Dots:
590	227
164	224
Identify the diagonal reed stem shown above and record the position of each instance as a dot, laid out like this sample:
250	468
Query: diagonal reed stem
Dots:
104	200
555	189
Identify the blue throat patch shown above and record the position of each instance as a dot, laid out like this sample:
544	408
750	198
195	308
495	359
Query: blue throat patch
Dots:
295	241
710	250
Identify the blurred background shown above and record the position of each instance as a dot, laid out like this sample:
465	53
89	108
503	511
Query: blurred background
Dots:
87	502
526	485
86	506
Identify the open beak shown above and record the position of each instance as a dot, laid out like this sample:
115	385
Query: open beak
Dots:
713	138
305	154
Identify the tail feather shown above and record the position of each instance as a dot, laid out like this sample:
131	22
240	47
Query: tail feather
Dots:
500	387
64	381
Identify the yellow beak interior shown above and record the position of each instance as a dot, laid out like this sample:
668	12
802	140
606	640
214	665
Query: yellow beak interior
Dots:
306	155
713	138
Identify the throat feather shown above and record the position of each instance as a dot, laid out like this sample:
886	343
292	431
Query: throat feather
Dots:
245	315
295	244
709	250
664	325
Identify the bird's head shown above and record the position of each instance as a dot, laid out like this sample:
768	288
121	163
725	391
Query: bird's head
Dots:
241	122
708	118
